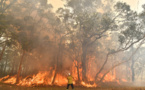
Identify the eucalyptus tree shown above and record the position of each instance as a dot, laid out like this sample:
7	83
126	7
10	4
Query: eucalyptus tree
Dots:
5	5
87	24
138	65
6	33
27	17
131	31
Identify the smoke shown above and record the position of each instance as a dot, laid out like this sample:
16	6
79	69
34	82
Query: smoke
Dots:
41	33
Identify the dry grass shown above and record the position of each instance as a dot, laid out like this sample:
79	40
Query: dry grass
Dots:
14	87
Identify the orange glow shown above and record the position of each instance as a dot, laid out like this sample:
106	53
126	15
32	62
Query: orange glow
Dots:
60	80
46	77
124	80
11	80
74	70
88	85
4	77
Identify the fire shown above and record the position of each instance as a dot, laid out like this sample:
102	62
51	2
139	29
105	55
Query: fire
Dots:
88	85
109	78
11	80
60	80
75	72
4	77
37	79
46	78
42	78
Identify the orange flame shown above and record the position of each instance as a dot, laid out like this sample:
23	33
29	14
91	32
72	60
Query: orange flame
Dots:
11	80
88	85
4	77
46	78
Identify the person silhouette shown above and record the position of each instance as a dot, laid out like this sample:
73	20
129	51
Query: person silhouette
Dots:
70	81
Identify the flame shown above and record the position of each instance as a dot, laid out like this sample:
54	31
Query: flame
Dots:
4	77
46	77
60	80
11	80
88	85
74	70
37	79
109	78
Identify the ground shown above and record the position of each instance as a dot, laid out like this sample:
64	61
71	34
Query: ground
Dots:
14	87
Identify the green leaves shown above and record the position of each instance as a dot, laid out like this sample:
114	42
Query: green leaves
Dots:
121	39
129	24
27	42
122	7
106	20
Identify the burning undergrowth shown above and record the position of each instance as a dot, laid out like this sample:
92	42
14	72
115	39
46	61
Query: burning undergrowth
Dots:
46	78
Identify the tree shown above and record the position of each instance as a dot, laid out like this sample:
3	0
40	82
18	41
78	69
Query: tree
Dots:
87	24
131	31
24	33
5	19
4	5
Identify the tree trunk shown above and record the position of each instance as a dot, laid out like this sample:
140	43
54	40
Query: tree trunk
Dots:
55	74
12	68
20	67
78	74
84	77
128	74
122	61
132	66
58	59
96	76
5	67
2	68
57	64
1	55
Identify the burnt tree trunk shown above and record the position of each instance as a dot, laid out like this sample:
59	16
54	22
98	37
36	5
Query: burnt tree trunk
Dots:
58	66
57	63
84	66
55	74
83	59
20	67
78	73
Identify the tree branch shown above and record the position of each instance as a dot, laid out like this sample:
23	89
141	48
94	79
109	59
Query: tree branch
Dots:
123	61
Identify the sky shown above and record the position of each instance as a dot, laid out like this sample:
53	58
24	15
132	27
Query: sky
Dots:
135	4
56	3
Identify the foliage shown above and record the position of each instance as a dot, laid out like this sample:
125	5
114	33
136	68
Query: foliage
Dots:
78	31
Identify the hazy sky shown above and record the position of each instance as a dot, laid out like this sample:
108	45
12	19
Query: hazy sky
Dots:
56	3
135	4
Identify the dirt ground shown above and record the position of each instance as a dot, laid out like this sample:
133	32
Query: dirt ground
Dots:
14	87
